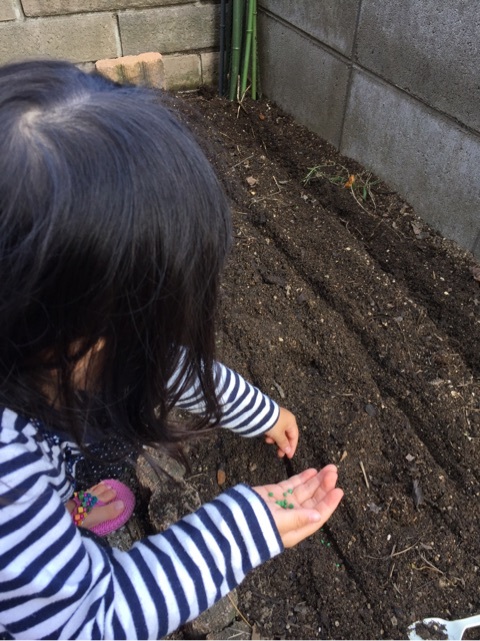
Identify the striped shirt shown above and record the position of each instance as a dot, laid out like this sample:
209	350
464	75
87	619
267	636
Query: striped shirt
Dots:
55	583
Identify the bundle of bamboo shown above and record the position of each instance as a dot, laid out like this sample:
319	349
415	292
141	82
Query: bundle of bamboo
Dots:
238	48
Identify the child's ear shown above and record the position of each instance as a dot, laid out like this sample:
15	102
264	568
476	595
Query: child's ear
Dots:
86	368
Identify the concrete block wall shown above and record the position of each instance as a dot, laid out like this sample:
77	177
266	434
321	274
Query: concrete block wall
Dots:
185	32
392	85
395	86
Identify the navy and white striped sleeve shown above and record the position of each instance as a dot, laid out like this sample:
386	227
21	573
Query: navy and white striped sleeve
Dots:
245	409
54	583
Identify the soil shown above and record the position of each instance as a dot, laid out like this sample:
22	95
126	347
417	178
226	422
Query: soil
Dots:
353	313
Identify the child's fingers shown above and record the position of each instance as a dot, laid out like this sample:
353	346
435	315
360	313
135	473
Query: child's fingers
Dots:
312	487
287	442
302	525
282	442
325	481
298	480
285	489
293	438
284	434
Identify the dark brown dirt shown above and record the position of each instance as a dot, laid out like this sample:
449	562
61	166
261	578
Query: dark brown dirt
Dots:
364	322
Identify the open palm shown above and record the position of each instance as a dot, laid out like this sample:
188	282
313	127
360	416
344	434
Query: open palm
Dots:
301	504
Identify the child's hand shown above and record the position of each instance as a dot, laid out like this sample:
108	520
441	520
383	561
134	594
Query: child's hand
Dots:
313	496
284	434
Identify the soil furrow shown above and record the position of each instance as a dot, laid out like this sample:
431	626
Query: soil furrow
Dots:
365	325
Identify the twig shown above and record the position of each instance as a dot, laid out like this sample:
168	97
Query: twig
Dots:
392	567
277	183
428	566
270	197
392	553
242	161
396	588
365	475
403	551
434	567
369	213
279	389
238	611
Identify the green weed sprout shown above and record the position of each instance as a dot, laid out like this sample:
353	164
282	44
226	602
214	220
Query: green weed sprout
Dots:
360	185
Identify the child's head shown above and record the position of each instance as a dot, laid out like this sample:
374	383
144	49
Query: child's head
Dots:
113	231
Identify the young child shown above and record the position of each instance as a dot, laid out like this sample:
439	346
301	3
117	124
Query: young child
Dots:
113	234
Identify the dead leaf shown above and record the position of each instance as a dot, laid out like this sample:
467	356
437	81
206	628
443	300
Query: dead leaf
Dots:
418	497
475	272
350	181
279	389
373	507
251	181
417	230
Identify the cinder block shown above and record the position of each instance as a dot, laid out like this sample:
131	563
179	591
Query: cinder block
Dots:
144	69
7	10
209	63
430	160
429	48
87	67
169	30
79	38
182	71
303	78
330	21
60	7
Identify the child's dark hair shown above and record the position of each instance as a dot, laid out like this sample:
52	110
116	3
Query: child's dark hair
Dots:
113	232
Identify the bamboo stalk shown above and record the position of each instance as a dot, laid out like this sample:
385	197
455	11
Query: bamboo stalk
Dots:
248	49
238	6
254	52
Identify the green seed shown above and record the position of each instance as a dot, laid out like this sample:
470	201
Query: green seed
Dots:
270	494
290	491
291	506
